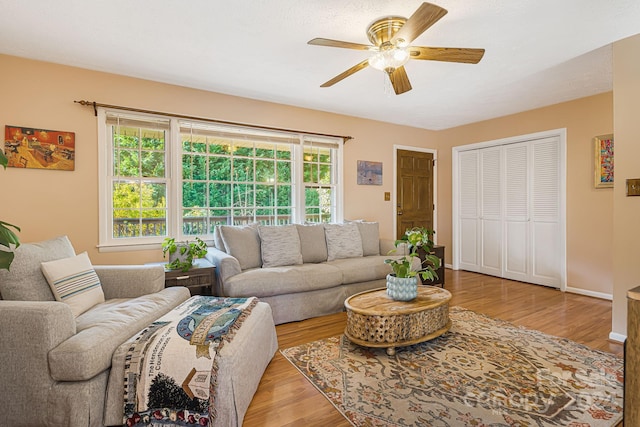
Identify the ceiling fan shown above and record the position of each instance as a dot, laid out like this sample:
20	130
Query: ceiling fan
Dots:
391	37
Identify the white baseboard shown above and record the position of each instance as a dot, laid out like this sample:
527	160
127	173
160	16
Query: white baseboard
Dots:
594	294
614	336
449	266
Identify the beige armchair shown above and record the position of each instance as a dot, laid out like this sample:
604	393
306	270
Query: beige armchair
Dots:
54	367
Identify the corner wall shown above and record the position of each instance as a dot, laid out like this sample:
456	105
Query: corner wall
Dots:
589	210
626	210
48	203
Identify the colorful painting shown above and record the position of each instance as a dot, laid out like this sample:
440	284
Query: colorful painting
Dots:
369	173
39	148
604	161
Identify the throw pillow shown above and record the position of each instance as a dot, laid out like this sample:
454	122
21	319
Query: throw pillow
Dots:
279	245
312	243
217	239
370	235
74	282
242	243
343	241
24	281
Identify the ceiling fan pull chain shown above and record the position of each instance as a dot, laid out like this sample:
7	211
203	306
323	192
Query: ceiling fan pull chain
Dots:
387	87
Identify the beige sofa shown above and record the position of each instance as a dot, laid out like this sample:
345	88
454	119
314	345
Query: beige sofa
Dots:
56	365
302	271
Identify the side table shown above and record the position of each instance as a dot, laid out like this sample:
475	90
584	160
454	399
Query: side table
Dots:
200	280
632	360
438	251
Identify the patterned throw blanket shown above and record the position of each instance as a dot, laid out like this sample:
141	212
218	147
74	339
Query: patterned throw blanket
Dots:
171	366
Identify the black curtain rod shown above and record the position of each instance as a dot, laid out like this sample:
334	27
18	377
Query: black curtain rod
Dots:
95	106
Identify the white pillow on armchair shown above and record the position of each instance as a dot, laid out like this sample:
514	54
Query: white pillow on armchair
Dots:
74	282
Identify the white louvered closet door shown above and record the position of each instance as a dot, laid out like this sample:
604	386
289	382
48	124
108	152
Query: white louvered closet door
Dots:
491	211
546	242
510	211
469	216
516	212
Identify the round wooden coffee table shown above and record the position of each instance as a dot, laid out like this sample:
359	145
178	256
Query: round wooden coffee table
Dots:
376	320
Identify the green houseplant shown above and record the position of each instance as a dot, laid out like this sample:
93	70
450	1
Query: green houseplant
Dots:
8	238
402	284
182	254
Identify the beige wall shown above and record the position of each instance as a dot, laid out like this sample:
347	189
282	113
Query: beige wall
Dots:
50	203
589	210
626	210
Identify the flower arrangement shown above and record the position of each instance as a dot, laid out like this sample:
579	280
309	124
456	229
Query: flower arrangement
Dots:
415	239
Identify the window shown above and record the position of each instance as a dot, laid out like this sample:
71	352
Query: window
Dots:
319	176
161	176
235	178
138	182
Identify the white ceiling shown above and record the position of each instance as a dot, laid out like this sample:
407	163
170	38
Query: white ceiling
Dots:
538	52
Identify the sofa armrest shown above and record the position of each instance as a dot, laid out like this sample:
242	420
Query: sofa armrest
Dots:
28	331
226	267
130	281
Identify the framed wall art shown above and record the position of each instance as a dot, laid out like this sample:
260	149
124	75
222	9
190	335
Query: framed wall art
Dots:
39	148
603	148
369	173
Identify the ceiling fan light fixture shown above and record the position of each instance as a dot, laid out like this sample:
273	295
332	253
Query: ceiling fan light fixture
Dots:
389	59
390	38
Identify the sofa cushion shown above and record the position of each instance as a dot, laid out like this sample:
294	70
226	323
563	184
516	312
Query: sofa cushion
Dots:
279	245
264	282
217	240
312	243
101	329
370	236
74	281
343	241
243	243
362	269
25	281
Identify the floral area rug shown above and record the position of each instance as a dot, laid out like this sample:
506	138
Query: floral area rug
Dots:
483	372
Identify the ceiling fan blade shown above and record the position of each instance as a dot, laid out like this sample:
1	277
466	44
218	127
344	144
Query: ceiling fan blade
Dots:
400	80
338	43
344	75
423	18
447	54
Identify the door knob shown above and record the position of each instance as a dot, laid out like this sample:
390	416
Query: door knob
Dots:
399	212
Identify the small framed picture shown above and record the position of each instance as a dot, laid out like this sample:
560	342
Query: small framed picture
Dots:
369	173
603	167
39	148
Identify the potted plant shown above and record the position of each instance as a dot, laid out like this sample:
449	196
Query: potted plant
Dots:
402	284
8	238
182	254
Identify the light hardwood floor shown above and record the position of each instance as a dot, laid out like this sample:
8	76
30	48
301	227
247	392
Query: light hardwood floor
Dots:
286	398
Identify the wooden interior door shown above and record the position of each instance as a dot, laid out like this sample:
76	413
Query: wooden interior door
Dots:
415	190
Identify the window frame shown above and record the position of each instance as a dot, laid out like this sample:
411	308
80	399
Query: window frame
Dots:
336	208
174	180
245	139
